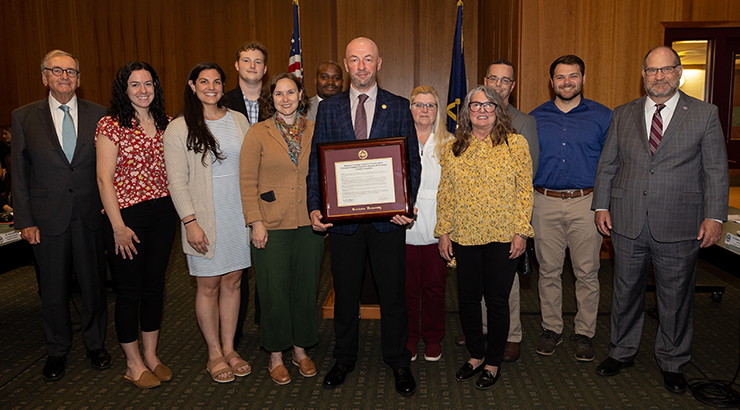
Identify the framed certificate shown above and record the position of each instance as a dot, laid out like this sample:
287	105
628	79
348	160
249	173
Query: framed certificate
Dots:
365	179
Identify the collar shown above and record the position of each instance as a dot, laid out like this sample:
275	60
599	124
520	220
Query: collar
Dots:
371	93
54	104
670	104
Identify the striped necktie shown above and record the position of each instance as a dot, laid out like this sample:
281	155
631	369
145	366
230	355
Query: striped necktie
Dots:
656	129
69	137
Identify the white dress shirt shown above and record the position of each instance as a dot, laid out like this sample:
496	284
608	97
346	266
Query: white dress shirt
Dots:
666	113
57	115
354	99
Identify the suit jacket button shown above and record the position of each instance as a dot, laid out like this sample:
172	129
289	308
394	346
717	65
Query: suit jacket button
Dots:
70	190
644	192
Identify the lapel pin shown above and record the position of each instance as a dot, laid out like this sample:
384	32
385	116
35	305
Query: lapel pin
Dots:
383	106
685	107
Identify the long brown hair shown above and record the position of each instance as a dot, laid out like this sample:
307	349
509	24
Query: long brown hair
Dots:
464	132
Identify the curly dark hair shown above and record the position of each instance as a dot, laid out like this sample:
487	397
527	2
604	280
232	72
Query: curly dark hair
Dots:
464	132
267	103
200	139
121	107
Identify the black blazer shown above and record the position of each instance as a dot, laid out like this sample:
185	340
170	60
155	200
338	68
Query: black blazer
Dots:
45	184
234	99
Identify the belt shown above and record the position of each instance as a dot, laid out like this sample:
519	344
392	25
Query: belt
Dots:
566	193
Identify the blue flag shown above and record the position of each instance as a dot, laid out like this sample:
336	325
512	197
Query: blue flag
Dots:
295	63
458	83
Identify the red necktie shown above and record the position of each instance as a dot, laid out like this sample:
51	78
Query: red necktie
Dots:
656	129
361	119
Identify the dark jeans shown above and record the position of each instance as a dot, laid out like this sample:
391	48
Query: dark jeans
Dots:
140	281
485	270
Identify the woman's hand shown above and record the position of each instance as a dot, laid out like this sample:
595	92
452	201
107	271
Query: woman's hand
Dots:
259	235
445	248
517	246
124	239
197	238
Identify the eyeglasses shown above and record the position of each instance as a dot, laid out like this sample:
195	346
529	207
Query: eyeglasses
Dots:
504	80
651	71
57	71
420	106
486	106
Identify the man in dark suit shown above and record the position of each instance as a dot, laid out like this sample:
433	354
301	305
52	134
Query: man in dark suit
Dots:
661	193
251	64
58	208
366	111
328	81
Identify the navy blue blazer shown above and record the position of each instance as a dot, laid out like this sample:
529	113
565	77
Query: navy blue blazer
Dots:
334	124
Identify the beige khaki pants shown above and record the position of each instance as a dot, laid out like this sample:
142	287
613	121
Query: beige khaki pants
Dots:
559	224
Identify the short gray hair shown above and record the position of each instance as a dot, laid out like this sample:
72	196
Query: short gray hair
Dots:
57	53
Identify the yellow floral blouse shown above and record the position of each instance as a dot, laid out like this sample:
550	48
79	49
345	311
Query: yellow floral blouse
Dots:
485	194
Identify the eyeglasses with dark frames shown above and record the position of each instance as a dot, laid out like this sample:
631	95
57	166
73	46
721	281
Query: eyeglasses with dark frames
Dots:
476	106
58	71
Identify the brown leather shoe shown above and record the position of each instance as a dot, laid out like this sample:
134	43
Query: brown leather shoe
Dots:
162	372
280	375
511	351
306	367
147	380
460	340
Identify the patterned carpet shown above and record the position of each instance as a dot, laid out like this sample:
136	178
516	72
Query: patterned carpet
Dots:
533	382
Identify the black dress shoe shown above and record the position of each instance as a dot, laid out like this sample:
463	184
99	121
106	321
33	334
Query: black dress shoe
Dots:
99	358
487	379
674	382
467	372
54	368
405	383
337	374
612	366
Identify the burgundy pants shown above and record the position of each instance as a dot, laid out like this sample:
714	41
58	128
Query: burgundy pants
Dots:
426	280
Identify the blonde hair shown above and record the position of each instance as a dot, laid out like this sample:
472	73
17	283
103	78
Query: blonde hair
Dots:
440	134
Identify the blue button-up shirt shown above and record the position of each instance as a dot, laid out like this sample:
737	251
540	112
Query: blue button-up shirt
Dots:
570	144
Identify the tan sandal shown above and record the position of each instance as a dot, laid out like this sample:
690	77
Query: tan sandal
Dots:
240	363
211	367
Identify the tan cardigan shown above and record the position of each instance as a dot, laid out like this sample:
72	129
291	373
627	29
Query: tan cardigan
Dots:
190	183
265	166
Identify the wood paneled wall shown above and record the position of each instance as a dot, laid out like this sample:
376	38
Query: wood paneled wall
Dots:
611	37
414	36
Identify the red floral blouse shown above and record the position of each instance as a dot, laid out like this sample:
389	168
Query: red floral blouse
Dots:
140	173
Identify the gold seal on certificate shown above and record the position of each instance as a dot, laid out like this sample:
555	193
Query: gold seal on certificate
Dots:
364	179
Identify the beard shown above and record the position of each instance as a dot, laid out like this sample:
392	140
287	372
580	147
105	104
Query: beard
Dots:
576	92
361	84
652	91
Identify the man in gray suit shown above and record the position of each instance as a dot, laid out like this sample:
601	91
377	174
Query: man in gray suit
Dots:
328	81
501	77
661	193
58	208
